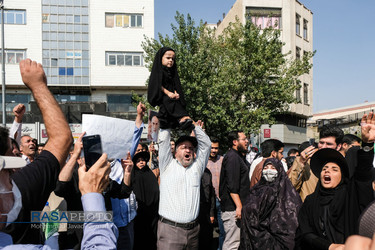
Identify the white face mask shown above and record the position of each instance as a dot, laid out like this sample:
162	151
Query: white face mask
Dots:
13	213
269	174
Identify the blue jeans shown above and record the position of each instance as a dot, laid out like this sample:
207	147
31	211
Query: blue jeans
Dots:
221	225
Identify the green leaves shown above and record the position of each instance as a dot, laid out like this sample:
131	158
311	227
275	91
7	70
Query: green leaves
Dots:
234	81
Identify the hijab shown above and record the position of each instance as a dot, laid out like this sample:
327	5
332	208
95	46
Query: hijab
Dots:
269	215
163	76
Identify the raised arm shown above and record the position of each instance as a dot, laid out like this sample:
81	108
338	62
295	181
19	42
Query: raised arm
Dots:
67	171
204	145
165	154
15	130
59	134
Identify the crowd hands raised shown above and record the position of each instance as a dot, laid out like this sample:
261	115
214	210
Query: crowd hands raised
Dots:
172	193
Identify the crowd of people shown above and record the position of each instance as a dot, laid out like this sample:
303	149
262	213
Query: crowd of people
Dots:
173	193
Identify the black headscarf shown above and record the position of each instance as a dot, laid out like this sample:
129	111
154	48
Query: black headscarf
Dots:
330	215
163	76
269	215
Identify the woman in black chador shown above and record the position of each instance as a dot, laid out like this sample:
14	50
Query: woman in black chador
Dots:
269	215
165	91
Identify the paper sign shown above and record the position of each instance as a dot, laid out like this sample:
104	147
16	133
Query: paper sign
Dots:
116	134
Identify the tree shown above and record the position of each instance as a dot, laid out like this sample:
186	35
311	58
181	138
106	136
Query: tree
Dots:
234	81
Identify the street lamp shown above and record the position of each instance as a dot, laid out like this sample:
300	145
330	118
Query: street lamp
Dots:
3	58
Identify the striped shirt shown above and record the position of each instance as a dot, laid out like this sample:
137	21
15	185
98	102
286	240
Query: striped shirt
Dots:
180	186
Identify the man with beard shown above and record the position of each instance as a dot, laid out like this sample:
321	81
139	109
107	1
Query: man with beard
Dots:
27	148
234	188
180	179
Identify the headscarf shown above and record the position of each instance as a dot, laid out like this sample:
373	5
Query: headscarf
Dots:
269	215
326	207
163	76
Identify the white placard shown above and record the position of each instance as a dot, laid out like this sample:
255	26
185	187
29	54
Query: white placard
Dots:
116	134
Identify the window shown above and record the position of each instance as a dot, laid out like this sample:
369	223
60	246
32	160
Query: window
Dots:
72	98
13	56
123	20
298	17
12	100
298	53
305	29
124	59
298	91
305	94
120	103
65	71
264	17
14	16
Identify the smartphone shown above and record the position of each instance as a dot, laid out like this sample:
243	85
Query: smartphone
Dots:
312	142
92	149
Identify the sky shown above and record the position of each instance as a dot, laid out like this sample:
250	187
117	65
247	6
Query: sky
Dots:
343	37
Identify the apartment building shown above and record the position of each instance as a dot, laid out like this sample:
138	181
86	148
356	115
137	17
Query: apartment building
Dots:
295	22
90	50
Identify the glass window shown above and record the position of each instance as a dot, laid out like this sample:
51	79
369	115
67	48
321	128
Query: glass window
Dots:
85	80
9	17
85	45
77	36
139	21
62	71
53	27
45	36
54	61
77	28
120	103
109	20
298	53
77	63
85	2
128	60
11	59
62	62
298	24
62	79
69	36
69	71
61	27
137	60
45	45
77	19
53	45
19	18
45	27
69	45
61	53
85	54
84	11
120	59
54	80
45	63
62	19
54	53
69	63
85	28
85	19
53	18
53	36
54	10
69	2
69	10
305	94
46	53
133	21
85	63
77	11
305	23
54	71
112	60
13	100
85	37
85	71
77	71
61	36
77	45
61	10
69	19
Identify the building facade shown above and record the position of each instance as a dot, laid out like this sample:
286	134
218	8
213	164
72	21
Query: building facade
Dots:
295	22
90	50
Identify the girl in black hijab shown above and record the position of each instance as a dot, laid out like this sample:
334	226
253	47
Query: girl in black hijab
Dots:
330	214
165	91
146	190
269	216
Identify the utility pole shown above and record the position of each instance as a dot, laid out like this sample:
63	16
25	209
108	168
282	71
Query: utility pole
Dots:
3	61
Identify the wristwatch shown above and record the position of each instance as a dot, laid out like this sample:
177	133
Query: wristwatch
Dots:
367	147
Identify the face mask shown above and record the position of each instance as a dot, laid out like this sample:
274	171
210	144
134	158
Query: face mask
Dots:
269	174
13	213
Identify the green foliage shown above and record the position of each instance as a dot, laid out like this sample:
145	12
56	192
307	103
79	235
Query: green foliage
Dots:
234	81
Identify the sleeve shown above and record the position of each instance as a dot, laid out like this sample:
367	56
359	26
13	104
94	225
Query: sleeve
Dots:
306	238
136	137
119	191
97	235
165	154
297	173
64	188
37	180
212	199
15	131
204	147
257	174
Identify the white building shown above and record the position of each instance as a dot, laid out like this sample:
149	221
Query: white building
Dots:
91	50
296	24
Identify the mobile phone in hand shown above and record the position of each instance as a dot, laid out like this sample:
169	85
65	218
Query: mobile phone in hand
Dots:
312	142
92	149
